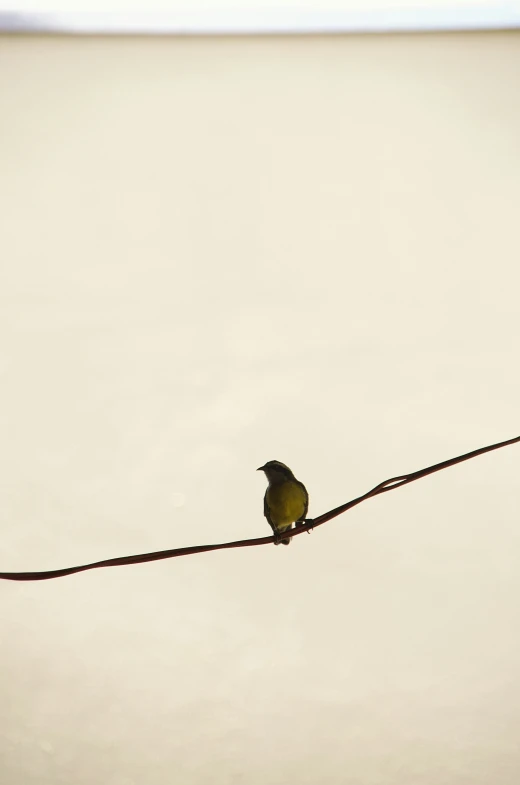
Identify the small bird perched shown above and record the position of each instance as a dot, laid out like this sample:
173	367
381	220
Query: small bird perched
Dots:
286	500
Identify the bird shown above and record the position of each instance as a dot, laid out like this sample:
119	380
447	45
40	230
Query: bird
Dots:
286	500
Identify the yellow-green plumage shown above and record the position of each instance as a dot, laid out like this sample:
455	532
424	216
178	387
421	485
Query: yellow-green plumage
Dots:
286	499
286	503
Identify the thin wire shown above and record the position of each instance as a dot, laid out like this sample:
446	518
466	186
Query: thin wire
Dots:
383	487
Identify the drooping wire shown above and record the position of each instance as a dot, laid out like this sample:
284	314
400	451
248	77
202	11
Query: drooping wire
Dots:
141	558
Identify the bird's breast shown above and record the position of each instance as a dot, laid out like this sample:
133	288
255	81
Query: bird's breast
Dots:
286	502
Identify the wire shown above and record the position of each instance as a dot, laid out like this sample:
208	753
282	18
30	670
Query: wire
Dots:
141	558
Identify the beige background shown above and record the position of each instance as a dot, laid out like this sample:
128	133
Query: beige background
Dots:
220	251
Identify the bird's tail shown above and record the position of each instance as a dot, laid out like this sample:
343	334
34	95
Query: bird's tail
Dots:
287	540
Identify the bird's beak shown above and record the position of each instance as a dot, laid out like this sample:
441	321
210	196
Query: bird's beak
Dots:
260	468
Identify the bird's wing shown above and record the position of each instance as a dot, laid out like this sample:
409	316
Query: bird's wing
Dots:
267	513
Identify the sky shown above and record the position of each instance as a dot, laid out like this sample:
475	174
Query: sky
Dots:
218	252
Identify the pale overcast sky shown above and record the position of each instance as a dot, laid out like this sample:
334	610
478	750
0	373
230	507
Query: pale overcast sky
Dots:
221	251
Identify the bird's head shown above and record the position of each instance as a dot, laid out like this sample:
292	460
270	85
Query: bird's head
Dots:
276	471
